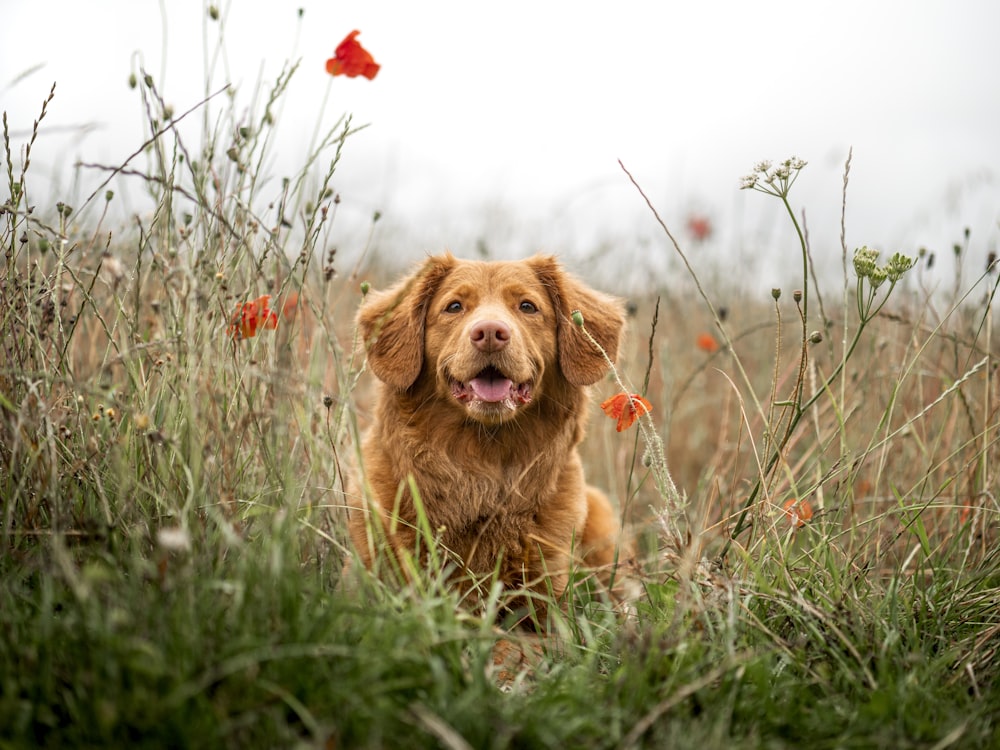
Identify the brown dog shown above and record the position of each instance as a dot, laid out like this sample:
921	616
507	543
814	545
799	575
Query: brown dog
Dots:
482	403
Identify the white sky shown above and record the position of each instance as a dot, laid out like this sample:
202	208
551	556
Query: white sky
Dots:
505	121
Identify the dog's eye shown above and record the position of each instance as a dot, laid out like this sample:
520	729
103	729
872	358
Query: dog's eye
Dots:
453	307
527	307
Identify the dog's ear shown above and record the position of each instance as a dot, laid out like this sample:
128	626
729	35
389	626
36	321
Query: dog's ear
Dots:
581	362
392	323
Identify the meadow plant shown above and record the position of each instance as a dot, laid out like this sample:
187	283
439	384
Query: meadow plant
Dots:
807	539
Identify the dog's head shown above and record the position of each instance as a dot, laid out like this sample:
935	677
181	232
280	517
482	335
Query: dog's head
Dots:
490	337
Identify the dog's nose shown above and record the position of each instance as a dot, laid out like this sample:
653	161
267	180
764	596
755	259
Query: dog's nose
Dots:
490	335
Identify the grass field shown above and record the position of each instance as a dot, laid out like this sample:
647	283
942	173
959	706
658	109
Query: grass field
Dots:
814	498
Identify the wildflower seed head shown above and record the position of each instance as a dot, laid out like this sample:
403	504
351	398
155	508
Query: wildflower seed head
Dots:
776	293
797	295
577	318
327	401
773	179
865	261
876	277
113	267
365	287
898	265
816	337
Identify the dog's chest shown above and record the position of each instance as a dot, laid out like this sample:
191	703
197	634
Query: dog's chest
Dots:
499	495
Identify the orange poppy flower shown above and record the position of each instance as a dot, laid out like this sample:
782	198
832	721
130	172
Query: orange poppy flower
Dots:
251	316
798	512
351	59
290	307
626	409
700	227
707	343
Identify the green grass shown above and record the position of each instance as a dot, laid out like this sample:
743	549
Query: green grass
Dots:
172	534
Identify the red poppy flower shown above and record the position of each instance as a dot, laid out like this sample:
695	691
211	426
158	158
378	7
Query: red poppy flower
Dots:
249	317
290	307
707	343
626	409
700	227
798	512
351	59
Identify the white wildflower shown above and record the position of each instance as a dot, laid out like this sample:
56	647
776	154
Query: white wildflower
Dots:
173	539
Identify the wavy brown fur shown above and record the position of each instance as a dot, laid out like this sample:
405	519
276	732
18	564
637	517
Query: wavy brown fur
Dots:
501	483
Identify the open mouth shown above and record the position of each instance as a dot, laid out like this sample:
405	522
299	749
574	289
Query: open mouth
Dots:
491	386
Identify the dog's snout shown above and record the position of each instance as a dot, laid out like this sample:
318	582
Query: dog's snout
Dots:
490	335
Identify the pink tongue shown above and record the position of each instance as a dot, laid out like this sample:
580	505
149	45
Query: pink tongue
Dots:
491	389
